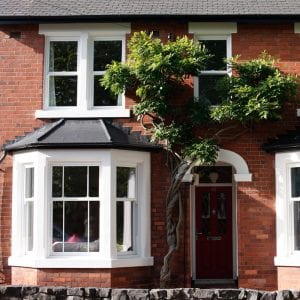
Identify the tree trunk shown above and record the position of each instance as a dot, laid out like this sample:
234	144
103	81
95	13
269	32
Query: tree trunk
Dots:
173	221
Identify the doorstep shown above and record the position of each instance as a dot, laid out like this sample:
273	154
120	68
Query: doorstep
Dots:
214	283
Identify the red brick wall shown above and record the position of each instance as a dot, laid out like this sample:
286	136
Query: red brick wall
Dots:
117	278
21	71
21	83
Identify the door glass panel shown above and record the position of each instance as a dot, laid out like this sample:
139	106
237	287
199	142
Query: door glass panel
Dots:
205	208
221	213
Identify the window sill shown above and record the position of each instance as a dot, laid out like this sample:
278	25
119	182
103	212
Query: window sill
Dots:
80	262
287	261
76	113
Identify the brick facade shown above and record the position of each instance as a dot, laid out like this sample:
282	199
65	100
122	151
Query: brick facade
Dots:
21	88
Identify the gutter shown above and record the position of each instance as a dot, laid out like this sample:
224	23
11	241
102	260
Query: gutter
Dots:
251	18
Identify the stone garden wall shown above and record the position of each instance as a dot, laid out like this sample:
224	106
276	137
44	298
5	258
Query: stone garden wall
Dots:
60	293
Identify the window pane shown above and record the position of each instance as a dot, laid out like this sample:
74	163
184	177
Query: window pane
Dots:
105	52
63	91
57	230
93	181
297	225
94	227
125	226
103	97
208	88
76	216
63	56
126	182
295	182
75	181
218	50
29	182
30	207
57	181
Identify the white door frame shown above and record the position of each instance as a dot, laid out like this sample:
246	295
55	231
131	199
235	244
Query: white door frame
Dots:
193	222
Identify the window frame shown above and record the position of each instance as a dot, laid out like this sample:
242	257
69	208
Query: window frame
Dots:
290	207
84	34
228	70
48	74
107	257
92	73
28	200
64	199
286	255
135	202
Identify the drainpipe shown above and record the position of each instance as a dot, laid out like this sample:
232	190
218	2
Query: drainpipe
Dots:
2	277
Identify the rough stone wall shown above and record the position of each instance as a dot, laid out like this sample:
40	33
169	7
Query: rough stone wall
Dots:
61	293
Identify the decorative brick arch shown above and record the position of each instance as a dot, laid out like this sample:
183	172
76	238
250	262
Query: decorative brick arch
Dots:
229	157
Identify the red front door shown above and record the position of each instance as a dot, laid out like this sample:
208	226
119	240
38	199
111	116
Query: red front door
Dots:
213	232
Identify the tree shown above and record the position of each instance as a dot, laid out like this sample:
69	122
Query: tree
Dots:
157	71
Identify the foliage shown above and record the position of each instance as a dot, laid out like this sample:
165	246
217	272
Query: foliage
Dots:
257	92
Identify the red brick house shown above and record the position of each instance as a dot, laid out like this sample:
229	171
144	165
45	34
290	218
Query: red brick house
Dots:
82	196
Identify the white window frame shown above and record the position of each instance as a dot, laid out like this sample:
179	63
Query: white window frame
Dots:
84	34
286	255
121	97
107	257
48	74
228	70
135	210
28	200
213	31
64	199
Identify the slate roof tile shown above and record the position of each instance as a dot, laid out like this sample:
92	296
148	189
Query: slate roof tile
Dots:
31	8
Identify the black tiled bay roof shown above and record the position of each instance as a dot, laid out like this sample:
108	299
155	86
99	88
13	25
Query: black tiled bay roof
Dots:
289	141
118	8
82	133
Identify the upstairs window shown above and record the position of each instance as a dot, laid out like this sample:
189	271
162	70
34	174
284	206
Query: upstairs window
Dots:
104	53
216	36
75	61
206	82
62	73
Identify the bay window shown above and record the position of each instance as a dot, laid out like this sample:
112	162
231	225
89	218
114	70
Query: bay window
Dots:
288	208
83	209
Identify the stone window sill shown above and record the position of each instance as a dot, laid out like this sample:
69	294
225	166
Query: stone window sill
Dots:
76	113
80	262
287	261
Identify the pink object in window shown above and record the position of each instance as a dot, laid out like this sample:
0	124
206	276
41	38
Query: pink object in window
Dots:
74	238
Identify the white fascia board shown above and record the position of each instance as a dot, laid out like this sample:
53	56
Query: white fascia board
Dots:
212	28
108	29
297	27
